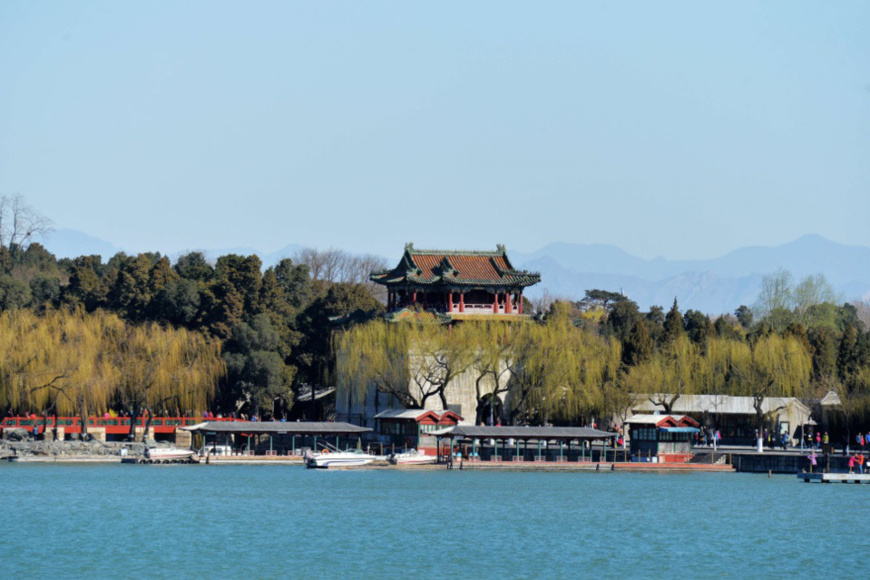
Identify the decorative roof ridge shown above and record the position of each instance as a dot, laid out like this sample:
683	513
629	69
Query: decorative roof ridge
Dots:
431	252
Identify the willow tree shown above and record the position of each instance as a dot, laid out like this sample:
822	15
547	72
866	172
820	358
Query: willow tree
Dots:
559	371
669	374
164	367
774	366
56	362
75	363
492	359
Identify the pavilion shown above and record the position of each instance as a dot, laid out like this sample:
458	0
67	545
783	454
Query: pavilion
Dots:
456	283
282	430
584	436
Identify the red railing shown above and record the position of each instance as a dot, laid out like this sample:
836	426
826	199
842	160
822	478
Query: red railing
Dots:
113	425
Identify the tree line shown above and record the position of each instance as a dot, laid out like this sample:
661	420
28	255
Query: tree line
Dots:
267	329
593	357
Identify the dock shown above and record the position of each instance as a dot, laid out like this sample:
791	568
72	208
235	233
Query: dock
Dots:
835	477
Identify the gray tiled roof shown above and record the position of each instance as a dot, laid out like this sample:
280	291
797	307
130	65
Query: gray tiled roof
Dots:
279	427
543	433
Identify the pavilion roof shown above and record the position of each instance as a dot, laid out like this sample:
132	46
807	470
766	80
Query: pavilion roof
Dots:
278	427
455	268
538	433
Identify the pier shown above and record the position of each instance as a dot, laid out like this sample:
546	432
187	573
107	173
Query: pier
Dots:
835	477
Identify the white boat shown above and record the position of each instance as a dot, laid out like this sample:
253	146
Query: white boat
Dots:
168	454
412	457
349	458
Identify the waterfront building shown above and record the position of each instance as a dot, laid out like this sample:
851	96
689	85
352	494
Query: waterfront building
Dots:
735	417
667	437
412	428
444	287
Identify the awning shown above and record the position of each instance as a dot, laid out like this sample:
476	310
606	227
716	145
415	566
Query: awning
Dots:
680	429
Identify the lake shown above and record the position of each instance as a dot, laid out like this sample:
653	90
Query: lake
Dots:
79	520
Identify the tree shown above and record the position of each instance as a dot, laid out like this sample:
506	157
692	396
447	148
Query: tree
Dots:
622	317
314	355
603	298
776	293
669	375
673	326
698	327
637	348
159	369
194	266
20	222
256	371
559	371
811	291
492	346
744	316
773	366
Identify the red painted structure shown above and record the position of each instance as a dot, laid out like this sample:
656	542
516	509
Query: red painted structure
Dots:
456	282
410	427
112	425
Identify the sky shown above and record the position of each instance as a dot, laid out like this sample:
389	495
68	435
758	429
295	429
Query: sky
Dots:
675	129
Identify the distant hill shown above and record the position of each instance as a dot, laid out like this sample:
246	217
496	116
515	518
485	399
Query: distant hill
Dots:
713	286
64	243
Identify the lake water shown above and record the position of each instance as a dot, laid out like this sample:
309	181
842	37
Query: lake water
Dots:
280	521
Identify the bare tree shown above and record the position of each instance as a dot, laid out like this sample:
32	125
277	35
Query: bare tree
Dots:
334	266
19	222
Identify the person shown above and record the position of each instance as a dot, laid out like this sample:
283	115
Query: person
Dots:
812	459
867	438
818	440
784	441
851	464
826	440
860	440
859	461
718	438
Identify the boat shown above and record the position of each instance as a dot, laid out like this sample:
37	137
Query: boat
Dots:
411	457
168	455
349	458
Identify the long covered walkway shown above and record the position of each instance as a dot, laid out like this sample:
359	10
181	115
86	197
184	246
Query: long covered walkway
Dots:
512	443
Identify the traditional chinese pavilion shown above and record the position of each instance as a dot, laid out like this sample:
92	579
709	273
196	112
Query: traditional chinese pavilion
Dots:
456	282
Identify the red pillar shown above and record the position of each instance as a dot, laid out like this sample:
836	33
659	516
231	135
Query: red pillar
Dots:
507	304
462	302
414	299
450	303
495	303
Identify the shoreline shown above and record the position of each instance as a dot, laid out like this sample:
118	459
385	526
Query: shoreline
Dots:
467	466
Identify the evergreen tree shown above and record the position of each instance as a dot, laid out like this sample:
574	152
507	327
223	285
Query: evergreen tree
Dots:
673	326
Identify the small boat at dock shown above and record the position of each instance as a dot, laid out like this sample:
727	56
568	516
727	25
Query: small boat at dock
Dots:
327	458
411	457
162	455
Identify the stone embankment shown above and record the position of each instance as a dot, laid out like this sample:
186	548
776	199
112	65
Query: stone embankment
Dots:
18	444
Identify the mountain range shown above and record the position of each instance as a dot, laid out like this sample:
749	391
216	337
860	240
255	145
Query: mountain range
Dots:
713	286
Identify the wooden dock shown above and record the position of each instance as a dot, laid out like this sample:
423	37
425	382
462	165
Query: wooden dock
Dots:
835	477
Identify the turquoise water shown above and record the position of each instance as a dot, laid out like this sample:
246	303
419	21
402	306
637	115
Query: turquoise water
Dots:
82	520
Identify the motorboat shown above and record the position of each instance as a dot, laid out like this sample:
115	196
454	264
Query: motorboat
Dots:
349	458
411	457
168	455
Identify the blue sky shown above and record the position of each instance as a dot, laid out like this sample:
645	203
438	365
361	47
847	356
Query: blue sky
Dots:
667	128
